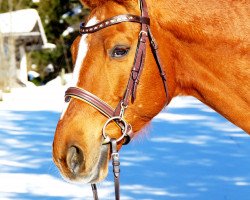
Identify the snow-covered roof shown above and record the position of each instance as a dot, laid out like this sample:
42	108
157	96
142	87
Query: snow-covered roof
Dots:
23	23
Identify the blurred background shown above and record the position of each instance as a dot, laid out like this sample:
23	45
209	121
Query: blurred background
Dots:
35	40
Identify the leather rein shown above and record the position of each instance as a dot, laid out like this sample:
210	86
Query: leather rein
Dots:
117	115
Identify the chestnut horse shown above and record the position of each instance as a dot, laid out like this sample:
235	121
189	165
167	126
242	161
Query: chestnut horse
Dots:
204	47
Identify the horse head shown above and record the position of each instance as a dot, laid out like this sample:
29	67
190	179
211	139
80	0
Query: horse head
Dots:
103	61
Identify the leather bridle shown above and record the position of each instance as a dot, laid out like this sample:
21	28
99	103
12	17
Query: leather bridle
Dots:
117	115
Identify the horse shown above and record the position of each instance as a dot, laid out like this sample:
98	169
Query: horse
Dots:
203	48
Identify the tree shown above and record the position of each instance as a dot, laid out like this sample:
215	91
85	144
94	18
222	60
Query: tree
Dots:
57	16
11	5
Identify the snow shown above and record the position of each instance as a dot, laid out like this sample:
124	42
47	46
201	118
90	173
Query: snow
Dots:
24	23
188	152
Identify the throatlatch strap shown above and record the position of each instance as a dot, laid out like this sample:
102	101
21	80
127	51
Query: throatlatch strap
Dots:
154	48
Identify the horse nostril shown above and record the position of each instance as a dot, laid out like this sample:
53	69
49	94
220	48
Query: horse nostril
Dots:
74	159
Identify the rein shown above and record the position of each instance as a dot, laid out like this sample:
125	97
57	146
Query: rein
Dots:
117	115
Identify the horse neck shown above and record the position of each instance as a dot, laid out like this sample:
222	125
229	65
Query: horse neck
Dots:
206	56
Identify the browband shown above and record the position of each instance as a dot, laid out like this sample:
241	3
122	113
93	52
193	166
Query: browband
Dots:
112	21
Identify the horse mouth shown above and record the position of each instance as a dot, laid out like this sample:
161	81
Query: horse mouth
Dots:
95	174
100	170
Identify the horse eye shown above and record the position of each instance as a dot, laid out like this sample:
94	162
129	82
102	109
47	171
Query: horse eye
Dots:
119	51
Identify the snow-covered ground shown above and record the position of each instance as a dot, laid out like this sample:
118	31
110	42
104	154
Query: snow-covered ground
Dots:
189	152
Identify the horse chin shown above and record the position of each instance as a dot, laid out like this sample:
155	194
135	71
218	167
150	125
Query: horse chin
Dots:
100	170
97	174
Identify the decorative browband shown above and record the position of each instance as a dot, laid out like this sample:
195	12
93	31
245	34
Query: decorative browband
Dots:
114	20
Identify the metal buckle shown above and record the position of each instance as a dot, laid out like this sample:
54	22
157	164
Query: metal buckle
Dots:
115	155
143	32
124	129
123	108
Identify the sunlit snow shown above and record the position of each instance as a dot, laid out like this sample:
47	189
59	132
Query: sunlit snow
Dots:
188	152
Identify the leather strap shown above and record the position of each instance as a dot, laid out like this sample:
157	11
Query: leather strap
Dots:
100	105
138	60
112	21
116	171
91	99
94	190
154	48
116	167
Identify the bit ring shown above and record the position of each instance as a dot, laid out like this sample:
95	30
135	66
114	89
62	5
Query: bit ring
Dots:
123	129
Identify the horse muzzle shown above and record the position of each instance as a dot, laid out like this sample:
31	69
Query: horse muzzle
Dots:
75	165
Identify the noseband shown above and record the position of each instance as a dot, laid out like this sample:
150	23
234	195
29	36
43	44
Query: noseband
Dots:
117	115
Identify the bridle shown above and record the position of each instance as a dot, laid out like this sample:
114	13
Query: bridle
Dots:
117	115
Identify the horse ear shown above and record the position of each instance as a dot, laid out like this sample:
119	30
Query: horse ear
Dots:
92	3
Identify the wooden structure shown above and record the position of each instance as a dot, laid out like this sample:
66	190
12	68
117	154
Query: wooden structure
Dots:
20	31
